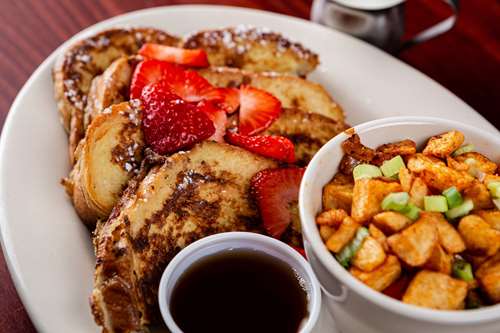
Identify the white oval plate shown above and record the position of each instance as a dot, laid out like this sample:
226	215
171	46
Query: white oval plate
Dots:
48	250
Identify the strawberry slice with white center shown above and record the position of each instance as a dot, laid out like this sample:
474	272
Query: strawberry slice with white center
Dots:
275	190
258	109
218	116
177	55
273	146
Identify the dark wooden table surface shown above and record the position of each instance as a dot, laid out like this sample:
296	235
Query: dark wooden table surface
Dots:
465	60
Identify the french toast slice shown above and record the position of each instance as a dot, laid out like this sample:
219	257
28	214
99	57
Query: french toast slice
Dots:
108	156
292	91
253	49
87	58
191	195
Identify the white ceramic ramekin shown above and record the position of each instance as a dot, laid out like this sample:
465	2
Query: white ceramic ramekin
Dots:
239	240
356	307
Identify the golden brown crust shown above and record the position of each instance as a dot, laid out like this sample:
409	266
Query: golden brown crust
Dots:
253	49
192	195
107	157
81	62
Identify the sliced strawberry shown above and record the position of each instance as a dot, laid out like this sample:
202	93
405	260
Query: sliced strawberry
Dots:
277	147
274	191
258	109
146	72
170	123
217	116
229	99
188	57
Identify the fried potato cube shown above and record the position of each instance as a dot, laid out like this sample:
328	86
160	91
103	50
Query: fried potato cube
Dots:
436	174
414	244
440	261
338	196
436	291
381	277
492	217
369	256
354	148
389	150
480	195
448	236
406	179
331	217
343	235
367	196
444	144
391	222
379	236
479	237
491	178
325	231
489	277
418	191
481	162
454	164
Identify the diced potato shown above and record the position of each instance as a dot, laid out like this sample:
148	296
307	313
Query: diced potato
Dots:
325	231
379	236
454	164
479	237
387	151
369	256
491	178
444	144
436	291
381	277
331	217
354	148
482	162
489	277
391	222
480	195
418	191
440	261
448	236
492	217
414	244
437	175
343	235
367	196
338	196
406	179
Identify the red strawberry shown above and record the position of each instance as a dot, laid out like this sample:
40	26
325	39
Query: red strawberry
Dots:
194	58
258	109
146	72
274	190
230	99
277	147
170	123
217	116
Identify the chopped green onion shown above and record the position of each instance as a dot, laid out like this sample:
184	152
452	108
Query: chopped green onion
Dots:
461	210
395	201
494	188
411	211
349	251
462	150
462	270
435	203
391	167
366	171
453	197
497	202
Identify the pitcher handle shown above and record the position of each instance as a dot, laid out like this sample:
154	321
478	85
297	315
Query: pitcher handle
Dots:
436	30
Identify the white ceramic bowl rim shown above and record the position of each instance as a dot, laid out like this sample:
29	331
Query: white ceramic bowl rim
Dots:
243	237
312	235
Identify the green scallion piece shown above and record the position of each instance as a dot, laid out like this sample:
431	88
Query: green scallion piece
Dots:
349	251
453	197
366	171
462	150
411	211
494	188
391	167
396	201
435	203
462	270
461	210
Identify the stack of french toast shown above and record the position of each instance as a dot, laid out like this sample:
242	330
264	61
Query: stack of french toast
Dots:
173	139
